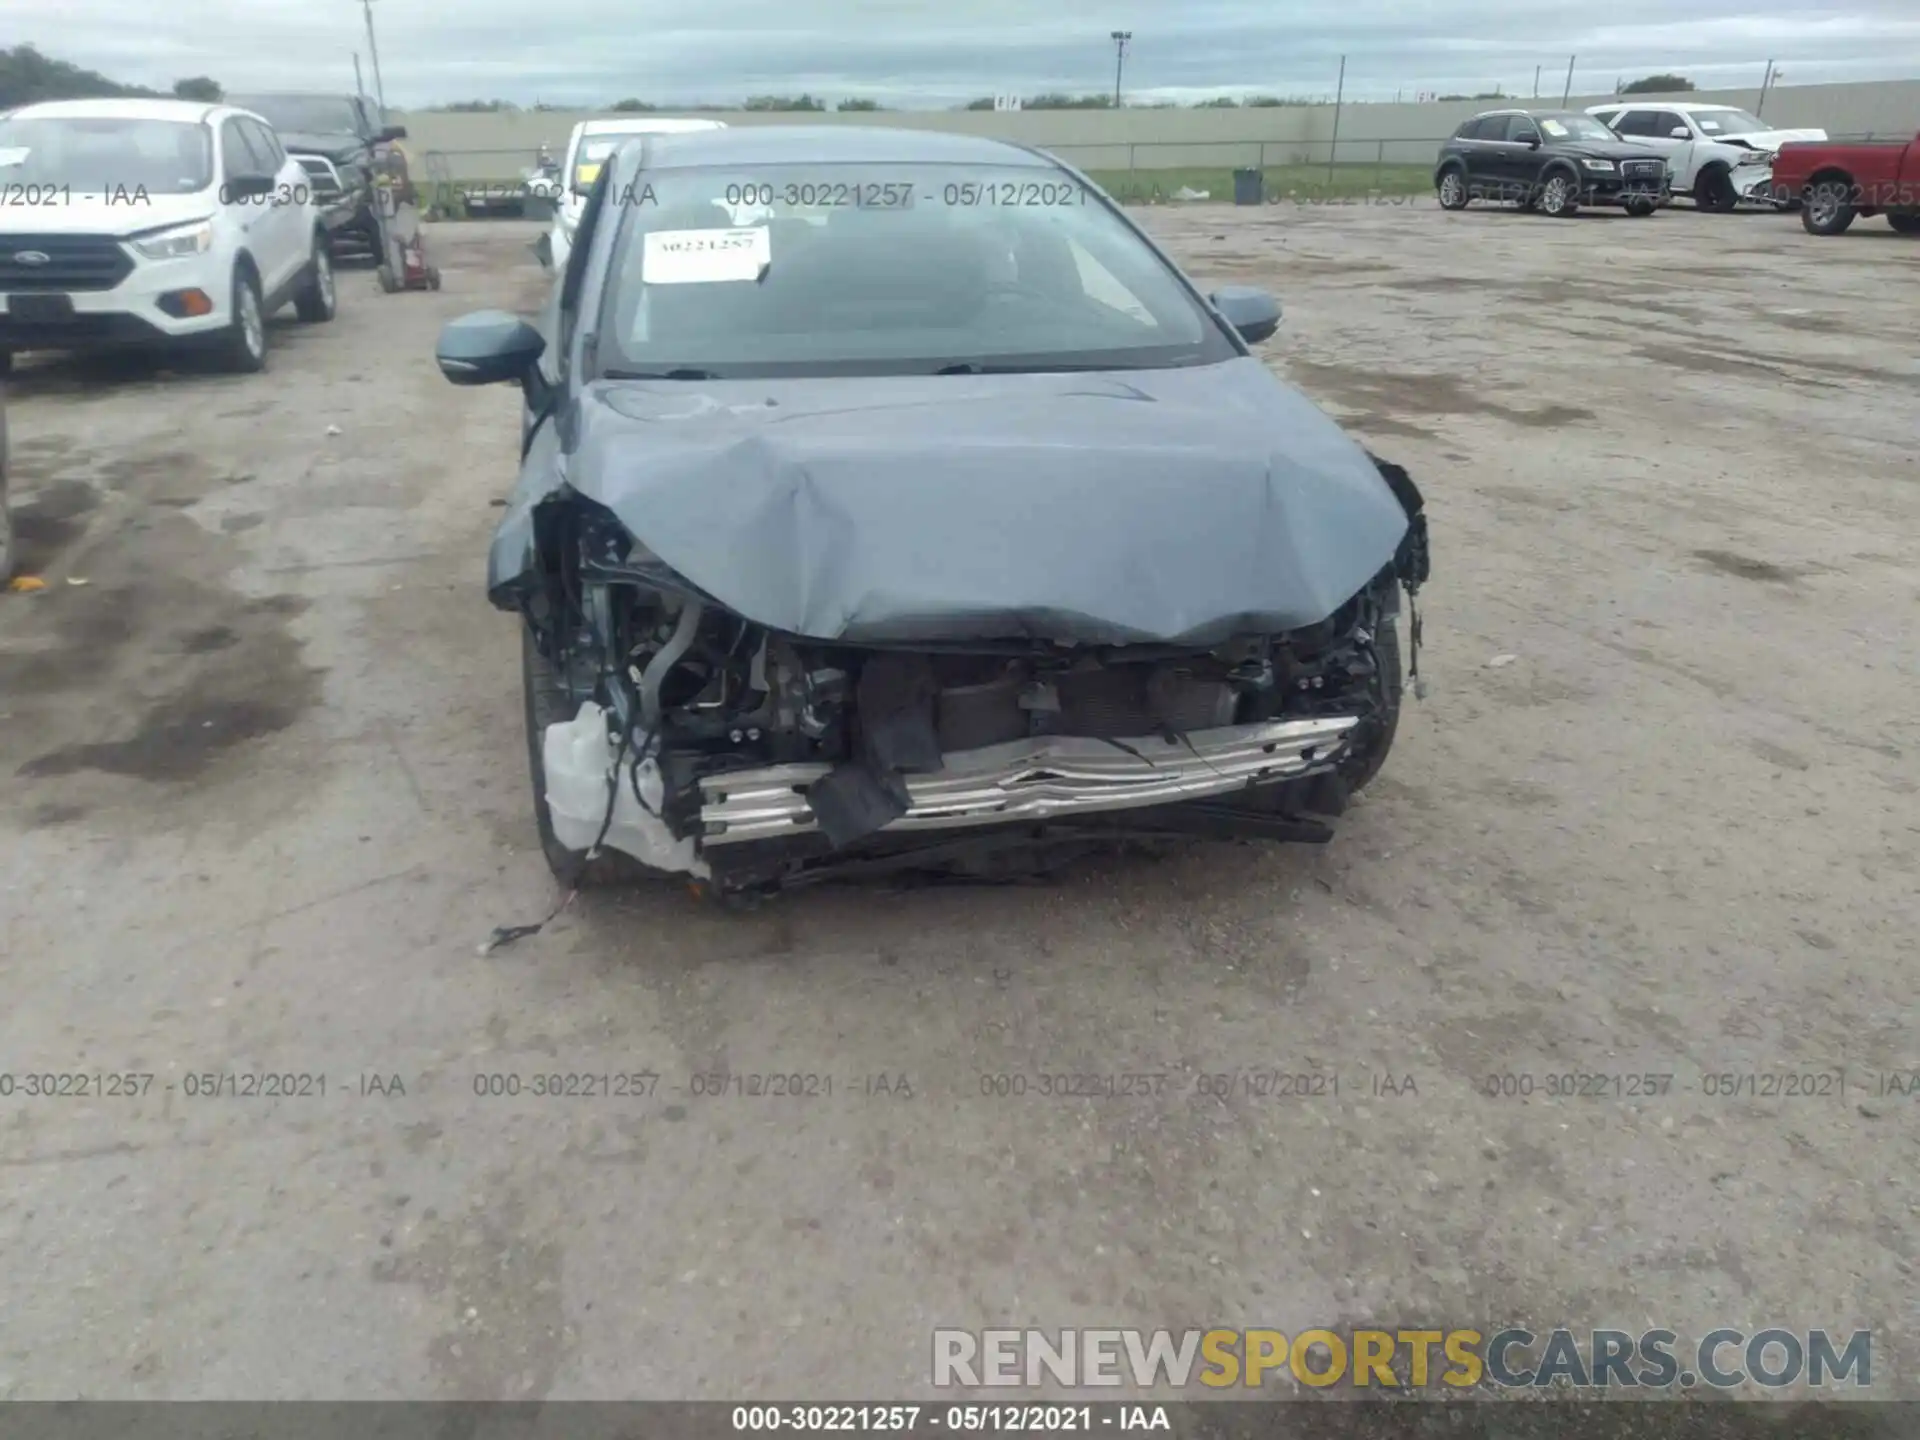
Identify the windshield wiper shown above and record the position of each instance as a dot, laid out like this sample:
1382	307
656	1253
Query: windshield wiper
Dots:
967	367
658	375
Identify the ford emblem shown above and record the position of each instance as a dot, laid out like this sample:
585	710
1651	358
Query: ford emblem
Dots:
32	257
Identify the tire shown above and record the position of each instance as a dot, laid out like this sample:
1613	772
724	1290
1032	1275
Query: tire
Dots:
1713	191
388	282
314	301
242	349
1904	222
6	362
1452	188
1359	769
547	704
6	536
1640	209
1559	195
1828	208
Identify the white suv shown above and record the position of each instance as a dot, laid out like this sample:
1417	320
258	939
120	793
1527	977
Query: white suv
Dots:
156	223
1718	154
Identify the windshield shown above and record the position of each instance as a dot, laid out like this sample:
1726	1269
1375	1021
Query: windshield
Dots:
107	156
1575	127
1729	122
870	269
313	114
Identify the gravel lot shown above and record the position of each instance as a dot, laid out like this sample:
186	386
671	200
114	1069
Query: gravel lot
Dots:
266	794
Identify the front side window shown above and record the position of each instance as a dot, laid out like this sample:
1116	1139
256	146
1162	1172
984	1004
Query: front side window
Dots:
106	156
869	269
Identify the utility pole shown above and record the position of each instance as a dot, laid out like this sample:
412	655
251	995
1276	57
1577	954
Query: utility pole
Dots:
1338	95
1120	39
379	90
1766	83
1536	82
359	85
1563	94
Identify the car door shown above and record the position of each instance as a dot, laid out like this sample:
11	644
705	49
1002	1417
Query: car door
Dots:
1653	130
248	213
289	222
1522	157
1480	152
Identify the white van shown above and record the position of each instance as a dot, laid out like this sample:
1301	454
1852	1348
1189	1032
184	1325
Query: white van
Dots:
591	143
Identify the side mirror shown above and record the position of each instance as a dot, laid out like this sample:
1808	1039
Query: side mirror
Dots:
1254	313
249	187
1532	142
1679	132
390	134
488	347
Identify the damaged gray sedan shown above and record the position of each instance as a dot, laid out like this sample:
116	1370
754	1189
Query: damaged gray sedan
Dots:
889	501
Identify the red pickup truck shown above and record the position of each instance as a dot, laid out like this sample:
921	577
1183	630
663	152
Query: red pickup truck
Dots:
1835	183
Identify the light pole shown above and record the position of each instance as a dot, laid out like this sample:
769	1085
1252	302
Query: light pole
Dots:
1120	39
379	90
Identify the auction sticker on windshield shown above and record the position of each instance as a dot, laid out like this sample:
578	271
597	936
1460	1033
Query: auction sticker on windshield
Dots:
697	257
1553	128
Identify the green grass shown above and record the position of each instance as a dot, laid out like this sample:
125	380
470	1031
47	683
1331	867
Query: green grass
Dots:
1299	184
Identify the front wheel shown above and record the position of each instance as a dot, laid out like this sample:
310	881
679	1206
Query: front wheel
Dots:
1828	209
1905	222
1713	191
1557	196
314	301
1376	739
243	345
1453	190
389	282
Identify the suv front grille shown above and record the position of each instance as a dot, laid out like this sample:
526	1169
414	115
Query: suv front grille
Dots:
62	262
1643	169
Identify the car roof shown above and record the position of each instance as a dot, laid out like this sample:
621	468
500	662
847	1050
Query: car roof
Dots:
189	110
1535	114
833	144
648	125
1685	107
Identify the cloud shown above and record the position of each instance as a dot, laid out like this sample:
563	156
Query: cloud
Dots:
917	52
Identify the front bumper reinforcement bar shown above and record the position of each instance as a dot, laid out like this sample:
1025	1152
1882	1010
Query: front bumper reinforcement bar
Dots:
1040	778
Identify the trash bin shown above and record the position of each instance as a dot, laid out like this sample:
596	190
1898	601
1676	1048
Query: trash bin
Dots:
1249	187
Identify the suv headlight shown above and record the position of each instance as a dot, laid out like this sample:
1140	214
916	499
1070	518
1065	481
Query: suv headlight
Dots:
181	240
1598	164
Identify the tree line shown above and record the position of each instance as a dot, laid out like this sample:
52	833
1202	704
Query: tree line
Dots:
28	77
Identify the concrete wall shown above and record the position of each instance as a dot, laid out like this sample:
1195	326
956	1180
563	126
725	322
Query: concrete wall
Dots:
482	147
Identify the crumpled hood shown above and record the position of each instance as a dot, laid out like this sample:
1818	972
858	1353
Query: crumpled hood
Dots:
1771	140
1176	506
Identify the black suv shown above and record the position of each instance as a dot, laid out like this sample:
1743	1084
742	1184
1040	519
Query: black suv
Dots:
334	137
1548	160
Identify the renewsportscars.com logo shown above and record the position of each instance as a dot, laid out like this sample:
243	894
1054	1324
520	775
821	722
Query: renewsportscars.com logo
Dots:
1402	1359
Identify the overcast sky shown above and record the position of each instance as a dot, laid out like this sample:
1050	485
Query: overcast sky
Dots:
919	53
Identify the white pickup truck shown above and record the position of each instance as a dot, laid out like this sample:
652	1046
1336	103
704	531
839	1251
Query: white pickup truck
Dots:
1718	154
591	143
